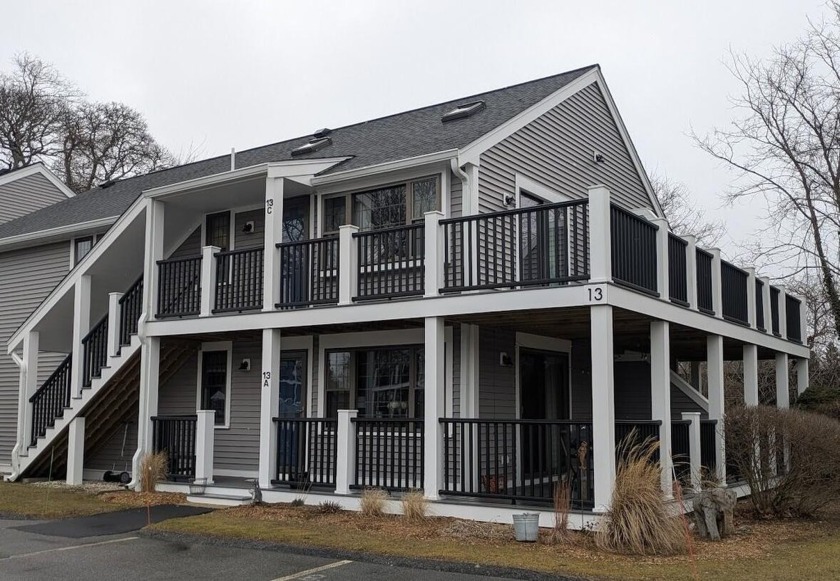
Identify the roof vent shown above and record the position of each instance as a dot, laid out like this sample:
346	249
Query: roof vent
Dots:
107	184
464	110
311	147
321	133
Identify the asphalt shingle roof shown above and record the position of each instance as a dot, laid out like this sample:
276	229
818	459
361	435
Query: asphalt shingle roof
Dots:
401	136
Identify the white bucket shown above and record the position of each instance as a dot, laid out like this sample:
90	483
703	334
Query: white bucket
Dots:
526	526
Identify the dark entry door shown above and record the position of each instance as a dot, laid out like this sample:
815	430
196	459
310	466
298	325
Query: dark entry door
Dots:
295	259
291	453
543	395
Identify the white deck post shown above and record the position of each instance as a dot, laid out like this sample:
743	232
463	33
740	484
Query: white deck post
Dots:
114	324
803	320
205	439
433	240
434	407
717	289
31	345
660	394
269	406
348	267
272	268
662	271
345	462
714	371
154	252
782	312
765	301
802	380
751	313
695	463
75	451
600	235
750	374
602	454
691	270
782	386
81	326
149	386
208	279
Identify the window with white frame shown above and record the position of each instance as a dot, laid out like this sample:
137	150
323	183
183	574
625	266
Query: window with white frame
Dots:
214	381
81	248
382	382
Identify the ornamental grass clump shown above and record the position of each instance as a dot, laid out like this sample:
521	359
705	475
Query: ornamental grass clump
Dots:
639	521
152	470
414	505
562	504
373	502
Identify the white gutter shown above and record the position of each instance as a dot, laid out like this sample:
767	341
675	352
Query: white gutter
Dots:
21	410
386	167
58	231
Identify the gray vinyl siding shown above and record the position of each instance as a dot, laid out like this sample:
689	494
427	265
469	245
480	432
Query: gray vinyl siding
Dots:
236	447
456	197
111	455
556	150
190	247
254	239
27	277
496	392
26	195
454	351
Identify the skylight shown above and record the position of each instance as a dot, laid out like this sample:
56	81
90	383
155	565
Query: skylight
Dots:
313	146
464	110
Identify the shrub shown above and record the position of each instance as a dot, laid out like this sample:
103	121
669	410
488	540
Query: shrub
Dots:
329	507
299	501
756	436
152	470
414	505
638	521
373	502
562	504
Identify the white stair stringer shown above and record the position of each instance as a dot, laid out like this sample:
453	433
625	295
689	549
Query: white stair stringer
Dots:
77	404
689	390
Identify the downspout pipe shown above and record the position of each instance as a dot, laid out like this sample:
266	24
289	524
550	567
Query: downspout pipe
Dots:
21	410
138	454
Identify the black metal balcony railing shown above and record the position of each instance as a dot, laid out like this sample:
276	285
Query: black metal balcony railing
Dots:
131	306
705	302
633	245
677	270
389	453
391	262
708	455
49	401
176	435
306	451
681	450
94	352
517	459
774	310
239	280
179	287
793	319
630	433
733	282
541	245
310	271
759	305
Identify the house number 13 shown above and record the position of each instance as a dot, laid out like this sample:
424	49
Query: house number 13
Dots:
596	294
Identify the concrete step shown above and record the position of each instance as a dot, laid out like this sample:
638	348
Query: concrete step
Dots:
210	498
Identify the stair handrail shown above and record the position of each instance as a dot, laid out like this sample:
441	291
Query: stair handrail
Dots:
68	361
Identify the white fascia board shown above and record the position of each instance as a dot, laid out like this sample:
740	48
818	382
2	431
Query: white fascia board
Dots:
472	152
206	181
303	168
388	167
69	281
38	168
60	233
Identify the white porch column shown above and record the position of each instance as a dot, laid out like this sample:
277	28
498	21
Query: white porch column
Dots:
435	379
802	380
782	386
149	385
348	267
603	405
114	324
81	326
714	371
269	406
803	320
717	290
765	301
208	279
600	235
660	396
345	462
750	375
691	270
31	345
433	240
695	463
662	272
154	253
273	236
75	451
751	313
782	312
205	439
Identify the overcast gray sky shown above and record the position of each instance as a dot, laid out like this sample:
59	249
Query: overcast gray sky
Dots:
214	75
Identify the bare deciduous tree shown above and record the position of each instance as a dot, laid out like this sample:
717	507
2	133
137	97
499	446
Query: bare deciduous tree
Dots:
785	148
682	213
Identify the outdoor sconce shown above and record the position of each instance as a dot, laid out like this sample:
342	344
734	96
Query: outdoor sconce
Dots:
245	365
248	228
505	360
